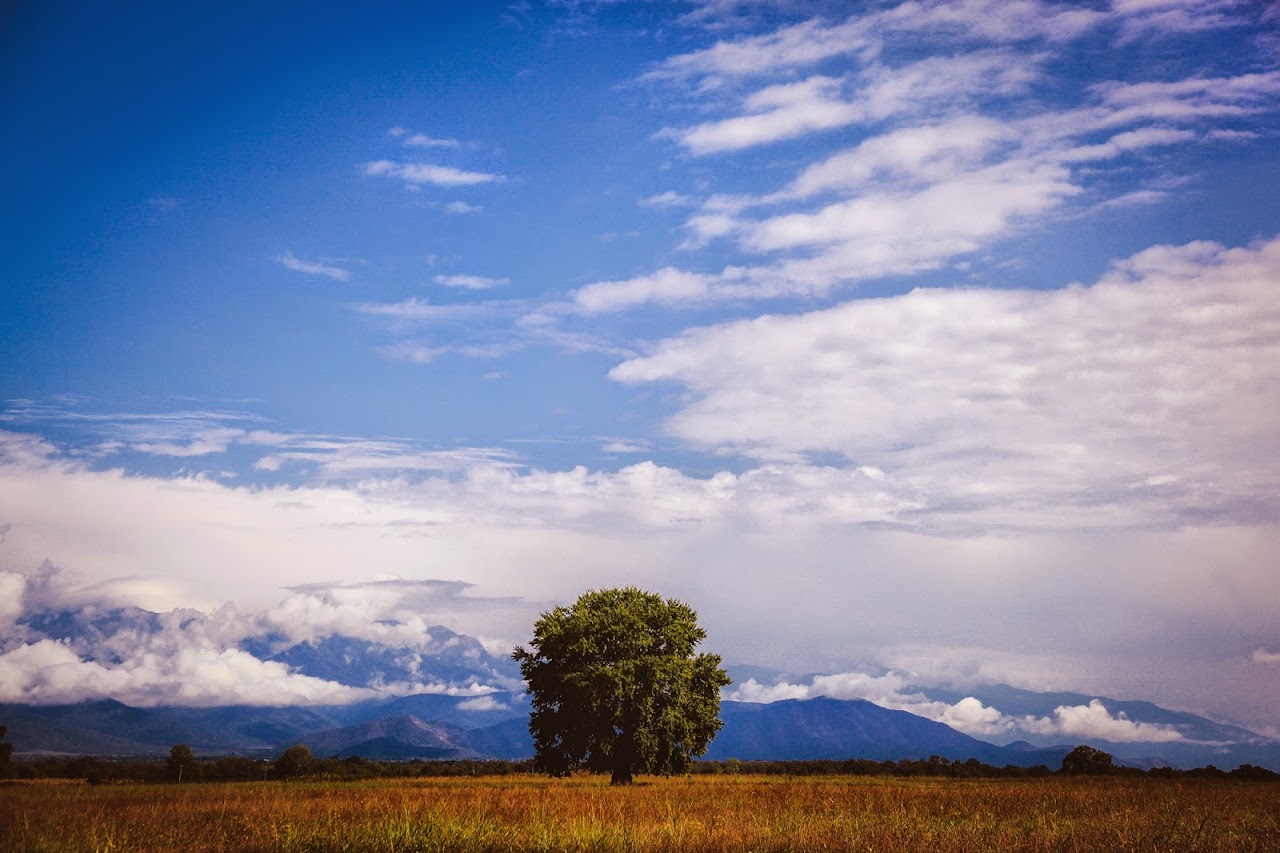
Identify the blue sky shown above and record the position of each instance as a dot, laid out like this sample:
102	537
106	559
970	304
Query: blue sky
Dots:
936	339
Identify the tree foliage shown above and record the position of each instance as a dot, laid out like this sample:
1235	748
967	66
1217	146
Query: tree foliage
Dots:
181	764
616	686
294	761
1085	760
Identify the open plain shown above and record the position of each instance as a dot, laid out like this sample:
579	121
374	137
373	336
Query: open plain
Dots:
699	813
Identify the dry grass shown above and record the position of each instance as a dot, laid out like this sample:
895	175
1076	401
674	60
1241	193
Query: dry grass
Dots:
711	813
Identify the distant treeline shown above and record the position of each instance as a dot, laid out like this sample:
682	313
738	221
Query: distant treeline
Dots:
970	769
298	763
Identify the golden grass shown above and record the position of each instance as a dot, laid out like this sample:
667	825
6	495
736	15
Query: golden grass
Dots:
711	813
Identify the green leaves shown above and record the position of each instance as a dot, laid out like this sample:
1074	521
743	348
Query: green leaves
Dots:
616	685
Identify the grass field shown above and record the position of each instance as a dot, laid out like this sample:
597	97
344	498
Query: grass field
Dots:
715	813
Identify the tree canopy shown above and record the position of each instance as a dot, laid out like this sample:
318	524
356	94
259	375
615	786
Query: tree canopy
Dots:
1088	761
616	686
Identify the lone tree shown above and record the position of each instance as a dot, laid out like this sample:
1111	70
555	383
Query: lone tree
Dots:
1087	761
181	762
294	761
616	686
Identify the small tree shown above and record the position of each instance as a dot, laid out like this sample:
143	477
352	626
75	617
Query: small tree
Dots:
1087	761
294	761
616	686
181	762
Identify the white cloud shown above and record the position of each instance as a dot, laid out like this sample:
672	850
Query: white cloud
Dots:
202	443
193	657
1066	600
664	286
778	112
1265	657
808	43
288	261
969	715
471	282
421	140
1094	721
410	351
789	110
1166	17
1055	405
414	310
669	198
416	174
47	672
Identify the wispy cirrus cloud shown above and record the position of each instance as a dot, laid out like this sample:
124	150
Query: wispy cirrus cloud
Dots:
421	140
289	261
471	282
417	174
922	194
790	110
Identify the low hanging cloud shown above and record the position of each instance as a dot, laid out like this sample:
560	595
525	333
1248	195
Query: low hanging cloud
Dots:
1095	721
969	715
102	648
48	672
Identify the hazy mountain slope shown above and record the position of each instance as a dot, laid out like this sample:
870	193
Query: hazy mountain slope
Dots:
838	729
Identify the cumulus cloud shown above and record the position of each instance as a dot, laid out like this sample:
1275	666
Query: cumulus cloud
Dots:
1095	721
71	641
969	715
717	541
47	672
1133	398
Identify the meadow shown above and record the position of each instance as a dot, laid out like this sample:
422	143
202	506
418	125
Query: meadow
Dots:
699	813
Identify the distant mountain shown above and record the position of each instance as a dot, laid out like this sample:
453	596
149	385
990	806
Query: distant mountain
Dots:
405	737
1203	742
107	727
508	740
452	658
393	737
838	729
496	726
1016	702
439	658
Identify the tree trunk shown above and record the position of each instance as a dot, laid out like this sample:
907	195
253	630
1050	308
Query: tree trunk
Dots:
624	752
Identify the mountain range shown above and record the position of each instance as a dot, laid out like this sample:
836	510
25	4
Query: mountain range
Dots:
786	730
466	713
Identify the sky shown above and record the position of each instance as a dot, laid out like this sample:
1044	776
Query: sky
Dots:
909	342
